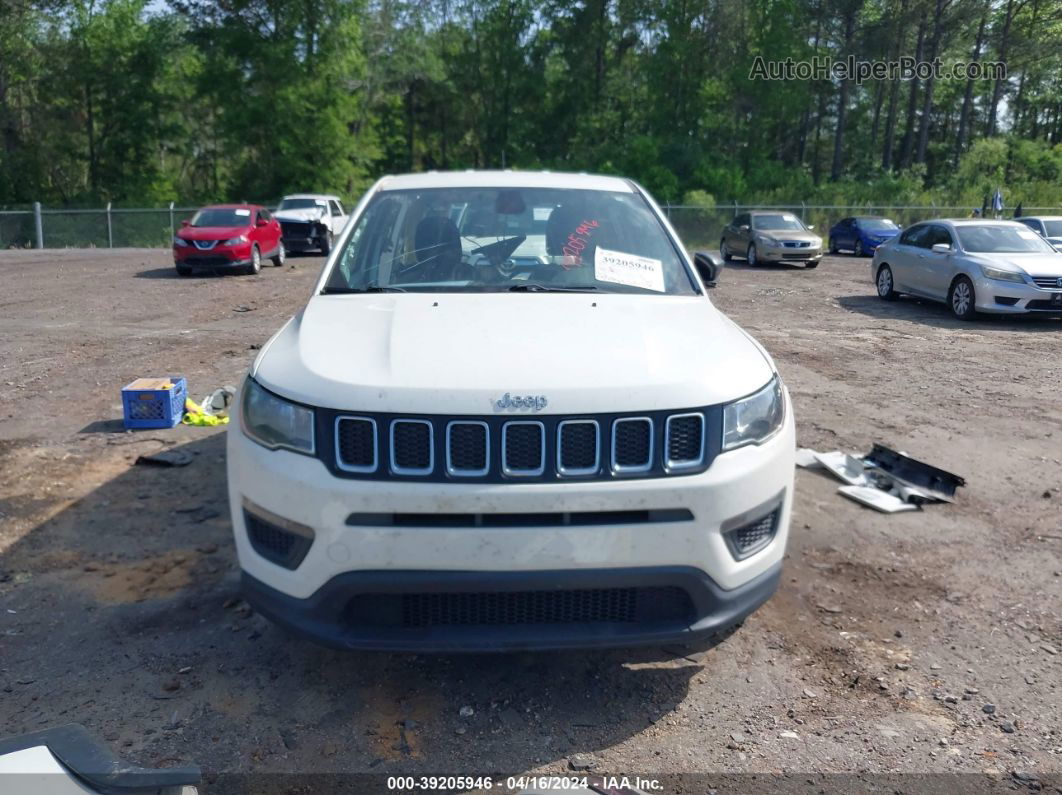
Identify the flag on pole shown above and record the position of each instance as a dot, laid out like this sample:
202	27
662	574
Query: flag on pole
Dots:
984	207
997	201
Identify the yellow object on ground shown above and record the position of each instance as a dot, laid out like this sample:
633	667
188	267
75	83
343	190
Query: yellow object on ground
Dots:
194	415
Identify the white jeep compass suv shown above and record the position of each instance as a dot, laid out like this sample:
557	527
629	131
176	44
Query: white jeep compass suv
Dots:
509	417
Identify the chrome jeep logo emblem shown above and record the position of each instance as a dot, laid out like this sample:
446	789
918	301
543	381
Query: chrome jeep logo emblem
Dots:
533	402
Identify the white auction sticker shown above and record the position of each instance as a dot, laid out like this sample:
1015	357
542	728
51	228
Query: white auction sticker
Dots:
243	212
628	269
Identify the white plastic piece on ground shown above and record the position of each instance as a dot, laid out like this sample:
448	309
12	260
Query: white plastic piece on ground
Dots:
844	467
217	402
36	771
877	499
805	458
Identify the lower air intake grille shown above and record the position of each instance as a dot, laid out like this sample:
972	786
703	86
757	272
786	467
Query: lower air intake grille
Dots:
515	608
754	536
285	546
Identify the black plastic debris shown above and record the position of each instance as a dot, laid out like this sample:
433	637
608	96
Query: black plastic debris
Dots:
166	458
934	482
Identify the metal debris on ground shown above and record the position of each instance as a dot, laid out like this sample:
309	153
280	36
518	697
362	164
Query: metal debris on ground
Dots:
884	479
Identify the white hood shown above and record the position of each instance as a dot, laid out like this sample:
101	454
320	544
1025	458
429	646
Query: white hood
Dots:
300	214
446	353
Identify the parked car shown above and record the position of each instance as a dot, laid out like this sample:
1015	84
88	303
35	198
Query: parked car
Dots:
771	236
861	234
449	449
228	236
974	265
1048	227
311	221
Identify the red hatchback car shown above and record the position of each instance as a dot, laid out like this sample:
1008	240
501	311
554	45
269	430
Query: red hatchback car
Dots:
237	236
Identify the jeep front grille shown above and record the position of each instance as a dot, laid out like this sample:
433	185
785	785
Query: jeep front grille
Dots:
497	448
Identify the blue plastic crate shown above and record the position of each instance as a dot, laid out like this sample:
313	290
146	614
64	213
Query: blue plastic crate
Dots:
154	408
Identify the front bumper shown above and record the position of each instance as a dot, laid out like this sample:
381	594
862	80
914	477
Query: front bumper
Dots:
217	257
788	254
325	616
1011	298
348	554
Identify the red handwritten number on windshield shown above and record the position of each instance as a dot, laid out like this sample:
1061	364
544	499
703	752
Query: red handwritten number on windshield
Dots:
576	242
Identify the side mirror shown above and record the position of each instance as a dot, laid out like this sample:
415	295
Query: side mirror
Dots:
811	226
744	227
262	222
186	222
709	266
941	248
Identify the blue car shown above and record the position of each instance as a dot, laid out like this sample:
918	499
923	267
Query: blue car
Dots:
861	234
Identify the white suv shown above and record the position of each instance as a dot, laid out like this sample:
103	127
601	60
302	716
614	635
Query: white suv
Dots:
455	448
310	221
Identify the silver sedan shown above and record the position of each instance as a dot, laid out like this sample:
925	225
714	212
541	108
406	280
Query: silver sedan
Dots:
973	265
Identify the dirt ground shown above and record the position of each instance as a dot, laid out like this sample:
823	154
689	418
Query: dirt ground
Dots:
926	642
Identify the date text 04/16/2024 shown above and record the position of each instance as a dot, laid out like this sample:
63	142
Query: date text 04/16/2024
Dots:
609	785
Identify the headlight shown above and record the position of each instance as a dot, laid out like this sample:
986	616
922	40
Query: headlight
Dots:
1002	276
180	242
234	241
816	242
754	419
770	241
274	422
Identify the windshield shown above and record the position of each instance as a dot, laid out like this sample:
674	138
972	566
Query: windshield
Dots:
780	221
497	239
1054	228
1001	240
877	225
300	204
222	216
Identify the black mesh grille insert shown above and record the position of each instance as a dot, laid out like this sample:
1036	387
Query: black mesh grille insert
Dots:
357	443
578	446
515	608
753	536
633	439
523	447
411	445
468	447
274	543
685	436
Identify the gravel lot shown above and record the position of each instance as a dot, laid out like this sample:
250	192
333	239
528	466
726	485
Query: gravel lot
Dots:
926	642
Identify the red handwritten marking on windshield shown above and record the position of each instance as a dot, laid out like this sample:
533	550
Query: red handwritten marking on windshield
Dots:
577	241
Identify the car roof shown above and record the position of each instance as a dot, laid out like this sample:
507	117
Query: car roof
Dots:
971	221
231	207
505	179
1042	217
771	212
310	196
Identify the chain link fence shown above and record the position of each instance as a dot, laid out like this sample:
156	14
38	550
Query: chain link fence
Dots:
113	227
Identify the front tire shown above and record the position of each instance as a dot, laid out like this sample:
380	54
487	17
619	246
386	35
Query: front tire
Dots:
750	255
724	251
962	299
326	243
833	246
858	250
256	261
811	264
885	283
280	256
183	270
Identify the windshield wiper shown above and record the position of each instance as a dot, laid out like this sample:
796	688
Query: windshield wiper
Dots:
372	288
534	287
